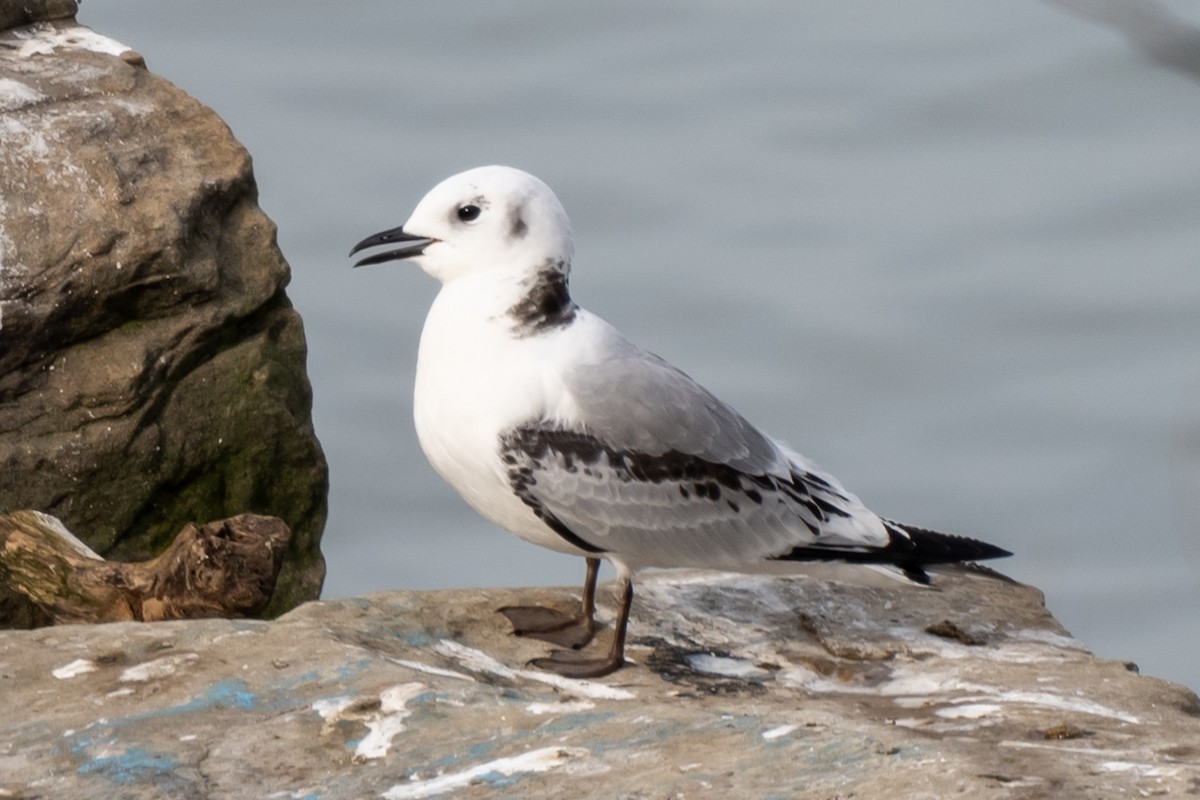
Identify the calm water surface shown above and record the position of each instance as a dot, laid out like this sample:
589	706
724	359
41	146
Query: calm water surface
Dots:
951	251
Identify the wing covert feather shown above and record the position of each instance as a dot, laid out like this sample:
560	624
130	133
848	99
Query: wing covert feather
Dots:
674	509
634	400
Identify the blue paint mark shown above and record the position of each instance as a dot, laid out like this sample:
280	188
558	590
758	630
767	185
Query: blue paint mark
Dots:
230	693
347	671
740	722
226	694
243	699
498	780
780	742
312	676
134	765
415	638
571	722
80	744
647	736
480	751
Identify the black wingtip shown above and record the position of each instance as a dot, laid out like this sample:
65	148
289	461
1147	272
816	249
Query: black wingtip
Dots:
931	547
910	548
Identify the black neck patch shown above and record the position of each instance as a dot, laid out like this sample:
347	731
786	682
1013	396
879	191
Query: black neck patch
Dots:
547	303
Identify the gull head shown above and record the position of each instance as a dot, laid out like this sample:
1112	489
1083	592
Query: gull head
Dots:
496	220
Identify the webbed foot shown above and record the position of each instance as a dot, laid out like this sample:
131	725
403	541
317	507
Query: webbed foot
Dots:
550	625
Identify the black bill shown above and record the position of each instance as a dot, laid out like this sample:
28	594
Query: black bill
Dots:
390	237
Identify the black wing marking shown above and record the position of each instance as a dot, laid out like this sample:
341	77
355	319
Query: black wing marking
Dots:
676	509
671	508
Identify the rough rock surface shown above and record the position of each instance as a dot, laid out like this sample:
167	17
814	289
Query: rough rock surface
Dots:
151	367
744	686
24	12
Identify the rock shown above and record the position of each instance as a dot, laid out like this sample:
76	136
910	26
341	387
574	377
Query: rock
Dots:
151	366
744	686
226	568
24	12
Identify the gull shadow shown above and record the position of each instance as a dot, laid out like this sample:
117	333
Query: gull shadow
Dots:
1149	26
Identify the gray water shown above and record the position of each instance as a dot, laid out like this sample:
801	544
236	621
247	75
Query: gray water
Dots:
949	250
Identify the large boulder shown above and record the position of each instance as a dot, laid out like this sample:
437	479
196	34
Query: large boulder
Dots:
152	369
744	686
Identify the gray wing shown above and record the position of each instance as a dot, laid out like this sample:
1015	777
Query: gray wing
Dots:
634	400
658	472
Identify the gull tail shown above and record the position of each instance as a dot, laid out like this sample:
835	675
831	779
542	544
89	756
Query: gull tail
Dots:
913	548
931	547
909	549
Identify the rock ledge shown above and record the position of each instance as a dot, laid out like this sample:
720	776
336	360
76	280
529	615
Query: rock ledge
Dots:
758	686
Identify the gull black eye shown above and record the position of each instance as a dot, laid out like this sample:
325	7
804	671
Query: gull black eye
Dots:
468	213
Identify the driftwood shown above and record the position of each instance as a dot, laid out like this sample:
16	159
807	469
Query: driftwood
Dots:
220	569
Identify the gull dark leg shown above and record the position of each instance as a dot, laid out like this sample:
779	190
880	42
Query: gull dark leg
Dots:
570	664
557	627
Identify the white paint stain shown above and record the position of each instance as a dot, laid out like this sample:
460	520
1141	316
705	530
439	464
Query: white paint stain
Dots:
1142	770
158	668
14	94
912	688
384	720
727	667
79	666
969	711
431	670
782	730
330	708
913	723
1054	701
384	725
569	707
477	661
1109	760
43	39
542	760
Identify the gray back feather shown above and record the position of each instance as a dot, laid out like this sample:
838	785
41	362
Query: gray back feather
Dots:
634	400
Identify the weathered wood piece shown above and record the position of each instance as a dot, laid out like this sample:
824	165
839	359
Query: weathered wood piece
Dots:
226	568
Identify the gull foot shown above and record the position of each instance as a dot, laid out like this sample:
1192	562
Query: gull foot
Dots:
570	664
549	625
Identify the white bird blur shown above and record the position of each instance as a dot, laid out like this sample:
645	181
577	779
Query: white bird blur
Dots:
555	427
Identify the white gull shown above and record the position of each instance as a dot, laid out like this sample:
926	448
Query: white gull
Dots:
555	427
